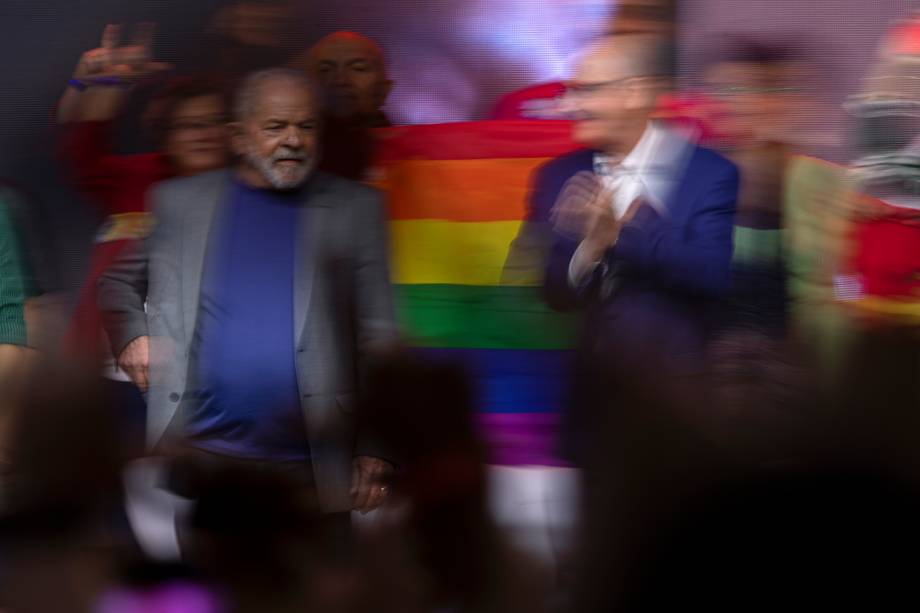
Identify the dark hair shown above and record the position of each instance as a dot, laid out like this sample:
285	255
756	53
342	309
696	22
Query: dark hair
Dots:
176	91
661	11
655	55
741	50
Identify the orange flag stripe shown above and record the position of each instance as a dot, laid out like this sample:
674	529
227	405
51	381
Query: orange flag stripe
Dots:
459	190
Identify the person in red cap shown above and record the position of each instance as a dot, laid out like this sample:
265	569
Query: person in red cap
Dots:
886	257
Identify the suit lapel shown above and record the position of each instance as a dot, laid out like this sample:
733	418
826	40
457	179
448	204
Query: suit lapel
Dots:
196	230
685	189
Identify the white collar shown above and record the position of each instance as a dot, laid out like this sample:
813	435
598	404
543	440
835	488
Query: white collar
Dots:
661	147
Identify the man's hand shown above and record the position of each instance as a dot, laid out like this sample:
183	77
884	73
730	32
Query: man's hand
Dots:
584	212
15	363
127	64
369	487
130	62
604	227
575	207
135	360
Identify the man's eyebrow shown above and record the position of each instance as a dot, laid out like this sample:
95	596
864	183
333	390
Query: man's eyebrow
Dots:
370	61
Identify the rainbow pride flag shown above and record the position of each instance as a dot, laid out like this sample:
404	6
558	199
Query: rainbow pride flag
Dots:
467	282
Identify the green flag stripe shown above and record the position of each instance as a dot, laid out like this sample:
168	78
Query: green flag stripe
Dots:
480	317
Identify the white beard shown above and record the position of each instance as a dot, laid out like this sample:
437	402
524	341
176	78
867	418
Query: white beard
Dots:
288	177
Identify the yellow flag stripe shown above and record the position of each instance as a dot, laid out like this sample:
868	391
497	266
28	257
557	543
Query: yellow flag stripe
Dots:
445	252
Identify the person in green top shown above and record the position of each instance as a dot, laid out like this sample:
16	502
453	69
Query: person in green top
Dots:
13	280
14	356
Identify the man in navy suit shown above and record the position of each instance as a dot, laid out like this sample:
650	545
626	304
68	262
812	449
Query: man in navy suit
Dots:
642	222
642	219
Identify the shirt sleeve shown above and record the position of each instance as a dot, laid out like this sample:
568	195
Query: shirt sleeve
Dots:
581	268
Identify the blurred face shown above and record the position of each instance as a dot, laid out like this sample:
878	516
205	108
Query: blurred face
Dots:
197	137
254	24
645	16
278	140
748	91
351	72
610	106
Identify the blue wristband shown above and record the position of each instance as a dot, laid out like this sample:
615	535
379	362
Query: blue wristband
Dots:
77	84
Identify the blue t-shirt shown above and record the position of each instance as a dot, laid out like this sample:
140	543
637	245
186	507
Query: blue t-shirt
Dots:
244	398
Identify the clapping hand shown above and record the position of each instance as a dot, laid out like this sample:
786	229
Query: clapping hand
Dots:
584	212
579	206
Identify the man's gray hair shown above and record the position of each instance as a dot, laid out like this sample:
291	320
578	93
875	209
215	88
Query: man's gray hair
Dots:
248	91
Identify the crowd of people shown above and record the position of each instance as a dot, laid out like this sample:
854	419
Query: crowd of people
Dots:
234	420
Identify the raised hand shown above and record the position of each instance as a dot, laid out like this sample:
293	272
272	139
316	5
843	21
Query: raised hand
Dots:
128	62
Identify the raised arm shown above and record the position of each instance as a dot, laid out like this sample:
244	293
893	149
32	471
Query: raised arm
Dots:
376	325
123	293
377	333
90	103
104	75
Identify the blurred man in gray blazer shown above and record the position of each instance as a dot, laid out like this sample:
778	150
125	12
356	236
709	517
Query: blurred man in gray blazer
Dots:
249	311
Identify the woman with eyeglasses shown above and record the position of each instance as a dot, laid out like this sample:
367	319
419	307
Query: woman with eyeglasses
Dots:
185	118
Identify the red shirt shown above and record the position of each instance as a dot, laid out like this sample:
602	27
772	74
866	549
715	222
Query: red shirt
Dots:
887	254
117	185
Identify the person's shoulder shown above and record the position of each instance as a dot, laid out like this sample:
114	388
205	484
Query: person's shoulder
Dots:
710	160
566	165
168	198
181	185
573	159
347	189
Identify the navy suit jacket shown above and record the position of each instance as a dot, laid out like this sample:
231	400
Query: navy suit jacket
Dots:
656	292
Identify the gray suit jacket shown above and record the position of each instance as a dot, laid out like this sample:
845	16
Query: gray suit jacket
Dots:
343	309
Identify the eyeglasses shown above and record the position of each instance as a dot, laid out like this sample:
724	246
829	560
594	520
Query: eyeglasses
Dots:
735	90
198	123
575	88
